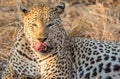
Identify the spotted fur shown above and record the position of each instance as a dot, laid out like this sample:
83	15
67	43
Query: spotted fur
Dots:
24	60
65	57
94	59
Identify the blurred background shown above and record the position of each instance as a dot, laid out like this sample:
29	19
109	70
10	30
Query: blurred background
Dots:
96	19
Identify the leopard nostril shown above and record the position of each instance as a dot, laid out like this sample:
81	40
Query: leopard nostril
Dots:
42	39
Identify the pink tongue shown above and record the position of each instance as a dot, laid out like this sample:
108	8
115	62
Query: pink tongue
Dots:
39	46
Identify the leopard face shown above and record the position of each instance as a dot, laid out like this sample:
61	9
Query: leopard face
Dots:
34	24
39	22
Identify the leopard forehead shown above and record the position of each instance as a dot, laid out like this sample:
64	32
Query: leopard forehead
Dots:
43	13
37	13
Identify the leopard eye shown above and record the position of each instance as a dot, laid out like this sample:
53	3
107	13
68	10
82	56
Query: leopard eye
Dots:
34	25
49	25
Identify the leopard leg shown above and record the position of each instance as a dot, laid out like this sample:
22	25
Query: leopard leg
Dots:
8	72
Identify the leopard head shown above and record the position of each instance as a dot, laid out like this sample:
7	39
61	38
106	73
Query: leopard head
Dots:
43	28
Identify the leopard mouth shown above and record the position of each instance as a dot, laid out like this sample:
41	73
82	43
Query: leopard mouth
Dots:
48	49
41	46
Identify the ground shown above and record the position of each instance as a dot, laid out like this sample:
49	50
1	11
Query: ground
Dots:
96	20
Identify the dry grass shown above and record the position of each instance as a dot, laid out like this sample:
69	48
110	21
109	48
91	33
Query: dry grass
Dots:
94	21
83	18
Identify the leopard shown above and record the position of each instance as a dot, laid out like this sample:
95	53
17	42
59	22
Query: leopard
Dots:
44	49
26	57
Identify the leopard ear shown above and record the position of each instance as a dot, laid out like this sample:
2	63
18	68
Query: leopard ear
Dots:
24	10
60	7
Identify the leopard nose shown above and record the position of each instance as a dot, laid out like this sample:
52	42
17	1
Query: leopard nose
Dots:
42	39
